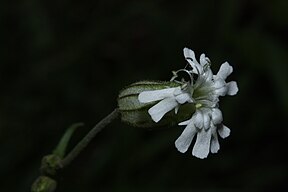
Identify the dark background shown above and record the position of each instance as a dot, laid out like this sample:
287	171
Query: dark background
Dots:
64	62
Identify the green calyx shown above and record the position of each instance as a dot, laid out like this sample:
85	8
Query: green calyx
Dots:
136	114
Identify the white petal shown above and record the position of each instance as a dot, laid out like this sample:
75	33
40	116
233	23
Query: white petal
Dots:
218	83
210	100
208	74
185	122
188	53
202	145
183	98
222	91
232	88
220	87
203	60
214	146
194	70
225	70
178	91
216	116
206	120
197	119
184	140
160	109
190	57
197	68
223	131
156	95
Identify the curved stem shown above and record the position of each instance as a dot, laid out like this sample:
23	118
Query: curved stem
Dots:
86	140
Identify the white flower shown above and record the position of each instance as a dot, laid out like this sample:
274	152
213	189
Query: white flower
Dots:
205	122
207	118
203	90
170	98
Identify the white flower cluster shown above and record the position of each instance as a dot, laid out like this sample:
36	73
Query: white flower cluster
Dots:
203	90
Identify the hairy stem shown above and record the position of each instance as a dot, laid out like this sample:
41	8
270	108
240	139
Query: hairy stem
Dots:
86	140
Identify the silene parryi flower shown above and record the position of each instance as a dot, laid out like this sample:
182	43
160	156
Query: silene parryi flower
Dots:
200	96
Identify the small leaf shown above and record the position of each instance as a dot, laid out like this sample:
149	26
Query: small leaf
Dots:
62	145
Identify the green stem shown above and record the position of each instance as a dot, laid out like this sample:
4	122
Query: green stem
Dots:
86	140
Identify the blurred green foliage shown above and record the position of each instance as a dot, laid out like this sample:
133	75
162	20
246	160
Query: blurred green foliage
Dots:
65	61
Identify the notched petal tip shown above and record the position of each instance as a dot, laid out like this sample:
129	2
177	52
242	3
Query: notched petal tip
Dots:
224	131
232	88
203	60
202	146
188	53
156	117
184	140
199	154
215	146
225	70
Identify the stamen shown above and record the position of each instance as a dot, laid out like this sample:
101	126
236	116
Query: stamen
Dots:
175	75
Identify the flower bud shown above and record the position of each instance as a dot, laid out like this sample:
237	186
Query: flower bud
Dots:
44	184
50	164
136	114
